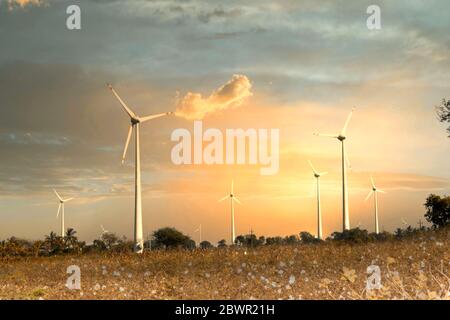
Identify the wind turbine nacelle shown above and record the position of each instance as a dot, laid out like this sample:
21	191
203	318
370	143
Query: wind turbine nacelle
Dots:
341	138
135	121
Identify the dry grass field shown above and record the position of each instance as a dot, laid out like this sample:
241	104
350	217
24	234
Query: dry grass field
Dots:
415	268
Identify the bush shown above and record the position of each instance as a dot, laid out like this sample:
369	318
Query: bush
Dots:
307	238
172	238
205	245
355	235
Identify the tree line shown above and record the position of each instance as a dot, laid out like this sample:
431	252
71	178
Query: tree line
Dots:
437	213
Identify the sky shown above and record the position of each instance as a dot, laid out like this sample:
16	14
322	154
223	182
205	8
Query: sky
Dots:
296	66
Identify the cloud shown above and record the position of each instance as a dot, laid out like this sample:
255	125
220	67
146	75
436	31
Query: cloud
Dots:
232	94
23	3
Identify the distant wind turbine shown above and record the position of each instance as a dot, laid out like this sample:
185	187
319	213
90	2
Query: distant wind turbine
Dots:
61	209
341	137
375	191
232	198
317	175
404	222
103	230
199	230
135	124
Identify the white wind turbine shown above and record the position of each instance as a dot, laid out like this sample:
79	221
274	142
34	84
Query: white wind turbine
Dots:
375	191
199	230
341	137
317	175
232	198
61	209
135	124
404	222
104	231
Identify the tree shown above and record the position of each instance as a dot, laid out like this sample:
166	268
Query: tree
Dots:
240	240
306	237
53	243
293	239
110	239
438	210
171	238
443	113
274	240
205	245
222	243
355	235
71	241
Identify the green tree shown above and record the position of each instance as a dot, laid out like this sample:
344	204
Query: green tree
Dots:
438	210
53	243
70	240
443	113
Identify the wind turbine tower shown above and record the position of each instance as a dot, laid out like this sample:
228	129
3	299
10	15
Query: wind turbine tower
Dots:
375	191
233	199
342	136
135	125
317	175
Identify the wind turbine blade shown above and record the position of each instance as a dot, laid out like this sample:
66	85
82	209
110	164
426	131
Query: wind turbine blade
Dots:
326	135
382	191
323	173
130	131
368	196
373	183
67	200
59	197
144	119
344	129
59	209
237	200
124	106
224	198
312	167
232	186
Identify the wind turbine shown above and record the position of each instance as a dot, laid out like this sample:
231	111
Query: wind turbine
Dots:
232	198
317	175
61	206
404	222
135	125
199	230
375	191
341	137
103	230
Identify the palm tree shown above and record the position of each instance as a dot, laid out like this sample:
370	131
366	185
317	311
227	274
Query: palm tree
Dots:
54	243
71	241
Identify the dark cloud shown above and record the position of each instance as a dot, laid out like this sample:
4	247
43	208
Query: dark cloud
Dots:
59	124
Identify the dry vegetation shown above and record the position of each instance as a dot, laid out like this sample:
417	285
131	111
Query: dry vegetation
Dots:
416	268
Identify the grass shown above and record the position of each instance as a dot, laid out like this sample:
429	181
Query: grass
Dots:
416	268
